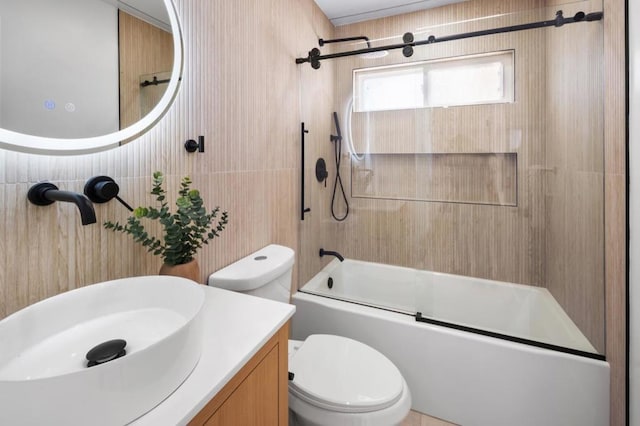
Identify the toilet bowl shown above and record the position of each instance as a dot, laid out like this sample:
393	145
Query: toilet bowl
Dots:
336	380
339	381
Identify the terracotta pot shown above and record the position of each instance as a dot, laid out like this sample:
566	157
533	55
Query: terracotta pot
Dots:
190	270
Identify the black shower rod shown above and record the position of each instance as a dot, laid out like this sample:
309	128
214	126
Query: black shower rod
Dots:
408	44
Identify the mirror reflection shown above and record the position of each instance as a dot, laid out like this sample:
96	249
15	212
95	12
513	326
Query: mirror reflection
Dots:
81	68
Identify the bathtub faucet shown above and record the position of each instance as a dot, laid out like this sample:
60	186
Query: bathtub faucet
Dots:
324	252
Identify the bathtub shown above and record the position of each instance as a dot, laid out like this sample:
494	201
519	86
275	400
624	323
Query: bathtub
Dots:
454	372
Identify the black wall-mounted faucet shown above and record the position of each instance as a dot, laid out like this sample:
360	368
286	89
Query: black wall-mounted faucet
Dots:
324	252
45	193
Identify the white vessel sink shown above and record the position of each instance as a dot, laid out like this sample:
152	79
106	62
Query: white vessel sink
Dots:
44	378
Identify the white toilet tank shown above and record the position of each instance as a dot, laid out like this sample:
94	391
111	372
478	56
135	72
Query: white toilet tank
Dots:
265	273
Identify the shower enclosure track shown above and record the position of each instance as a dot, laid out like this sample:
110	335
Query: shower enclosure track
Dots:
408	44
426	320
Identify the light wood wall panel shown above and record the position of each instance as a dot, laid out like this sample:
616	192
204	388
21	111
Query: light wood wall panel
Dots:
143	49
495	242
318	229
240	90
574	174
615	203
455	178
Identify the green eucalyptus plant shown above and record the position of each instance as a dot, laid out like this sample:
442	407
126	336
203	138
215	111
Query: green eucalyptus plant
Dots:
184	231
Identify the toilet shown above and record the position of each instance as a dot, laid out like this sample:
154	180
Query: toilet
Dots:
336	380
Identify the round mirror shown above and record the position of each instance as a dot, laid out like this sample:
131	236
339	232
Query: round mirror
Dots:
80	76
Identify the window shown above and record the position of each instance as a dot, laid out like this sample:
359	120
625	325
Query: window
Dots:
391	88
465	80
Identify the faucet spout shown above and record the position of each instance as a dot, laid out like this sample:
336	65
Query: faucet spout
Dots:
324	252
45	193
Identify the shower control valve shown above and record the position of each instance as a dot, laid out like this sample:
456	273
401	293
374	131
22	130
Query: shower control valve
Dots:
321	171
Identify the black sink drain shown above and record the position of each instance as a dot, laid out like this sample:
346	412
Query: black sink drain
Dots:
106	351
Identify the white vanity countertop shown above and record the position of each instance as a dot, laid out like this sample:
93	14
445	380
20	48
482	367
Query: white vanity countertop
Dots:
235	327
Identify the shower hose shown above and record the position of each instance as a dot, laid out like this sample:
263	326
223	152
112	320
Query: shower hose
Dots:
337	148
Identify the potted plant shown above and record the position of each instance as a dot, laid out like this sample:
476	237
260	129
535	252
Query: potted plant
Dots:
185	231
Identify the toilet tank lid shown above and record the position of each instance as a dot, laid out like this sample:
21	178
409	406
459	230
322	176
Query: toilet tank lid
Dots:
255	270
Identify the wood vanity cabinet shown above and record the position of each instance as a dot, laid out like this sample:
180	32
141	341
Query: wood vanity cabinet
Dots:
258	394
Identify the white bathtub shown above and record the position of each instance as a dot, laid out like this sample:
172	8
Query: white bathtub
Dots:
459	376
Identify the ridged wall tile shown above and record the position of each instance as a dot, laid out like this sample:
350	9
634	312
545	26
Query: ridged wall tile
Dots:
469	238
615	261
615	196
240	90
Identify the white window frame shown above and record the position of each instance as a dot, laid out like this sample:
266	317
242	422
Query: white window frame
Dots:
502	61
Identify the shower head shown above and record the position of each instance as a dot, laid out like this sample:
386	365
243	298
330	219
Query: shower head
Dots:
368	55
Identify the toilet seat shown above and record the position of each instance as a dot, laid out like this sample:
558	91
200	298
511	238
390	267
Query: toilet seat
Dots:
343	375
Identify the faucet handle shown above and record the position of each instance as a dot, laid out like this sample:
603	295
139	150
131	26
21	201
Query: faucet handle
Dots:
101	189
